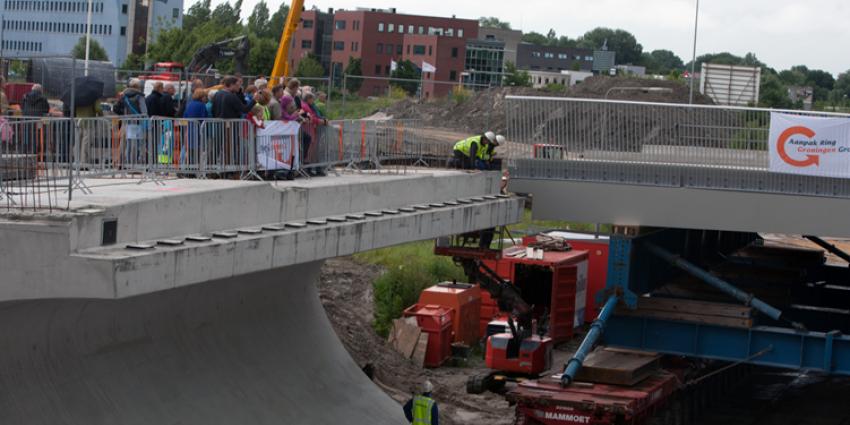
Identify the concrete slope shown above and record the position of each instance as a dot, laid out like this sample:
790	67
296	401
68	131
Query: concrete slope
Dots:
255	350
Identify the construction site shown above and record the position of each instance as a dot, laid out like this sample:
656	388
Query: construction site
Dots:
621	251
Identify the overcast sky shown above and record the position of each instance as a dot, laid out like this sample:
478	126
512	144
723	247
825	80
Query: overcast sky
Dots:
781	33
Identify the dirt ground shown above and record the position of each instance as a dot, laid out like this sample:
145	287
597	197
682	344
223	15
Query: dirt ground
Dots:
345	290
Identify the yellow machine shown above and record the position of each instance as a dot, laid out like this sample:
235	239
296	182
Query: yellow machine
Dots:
281	60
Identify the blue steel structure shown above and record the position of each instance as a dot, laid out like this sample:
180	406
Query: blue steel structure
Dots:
633	268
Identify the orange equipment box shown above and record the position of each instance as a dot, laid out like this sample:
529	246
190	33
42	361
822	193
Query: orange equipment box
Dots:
436	321
464	301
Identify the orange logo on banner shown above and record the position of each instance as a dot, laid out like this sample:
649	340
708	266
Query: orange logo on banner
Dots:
783	139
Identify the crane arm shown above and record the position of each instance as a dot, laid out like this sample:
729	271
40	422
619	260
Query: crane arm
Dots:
281	60
208	55
505	293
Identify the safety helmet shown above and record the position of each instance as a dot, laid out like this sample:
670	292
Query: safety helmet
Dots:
499	140
490	136
427	387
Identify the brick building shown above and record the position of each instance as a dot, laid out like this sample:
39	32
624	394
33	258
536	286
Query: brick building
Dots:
312	36
379	37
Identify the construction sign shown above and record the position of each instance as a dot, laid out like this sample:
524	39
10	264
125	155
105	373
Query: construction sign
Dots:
811	146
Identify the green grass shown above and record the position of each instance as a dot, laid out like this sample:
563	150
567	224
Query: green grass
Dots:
412	267
359	107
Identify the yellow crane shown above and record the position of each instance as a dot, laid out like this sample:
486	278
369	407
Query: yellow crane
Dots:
281	60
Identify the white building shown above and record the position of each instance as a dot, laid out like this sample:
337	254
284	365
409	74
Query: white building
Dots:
53	27
541	79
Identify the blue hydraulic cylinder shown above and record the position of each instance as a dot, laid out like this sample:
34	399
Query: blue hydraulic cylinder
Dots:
716	282
574	364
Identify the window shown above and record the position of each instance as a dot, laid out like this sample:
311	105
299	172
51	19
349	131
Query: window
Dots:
389	49
401	29
357	25
308	23
387	70
450	32
454	54
410	29
390	27
588	58
549	55
430	50
452	75
421	30
380	48
377	69
418	49
578	57
353	46
306	44
460	33
535	54
340	25
339	45
398	49
380	27
175	13
123	31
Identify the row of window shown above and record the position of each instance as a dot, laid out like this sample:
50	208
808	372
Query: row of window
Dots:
340	25
561	56
71	27
411	29
52	6
26	46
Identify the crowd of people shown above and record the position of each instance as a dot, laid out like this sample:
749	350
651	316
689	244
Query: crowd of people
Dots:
258	103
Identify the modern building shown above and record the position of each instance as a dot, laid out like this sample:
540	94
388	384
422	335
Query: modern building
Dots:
541	79
314	35
510	38
535	57
380	36
53	27
485	61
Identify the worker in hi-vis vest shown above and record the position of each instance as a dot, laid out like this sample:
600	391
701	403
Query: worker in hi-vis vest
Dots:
422	409
487	153
467	151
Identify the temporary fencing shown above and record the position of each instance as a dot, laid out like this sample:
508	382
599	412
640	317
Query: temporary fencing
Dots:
44	160
673	145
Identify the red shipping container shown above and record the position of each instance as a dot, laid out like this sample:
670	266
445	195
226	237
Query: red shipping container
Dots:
436	321
464	301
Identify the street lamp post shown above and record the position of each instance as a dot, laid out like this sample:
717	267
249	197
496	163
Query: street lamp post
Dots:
694	56
88	38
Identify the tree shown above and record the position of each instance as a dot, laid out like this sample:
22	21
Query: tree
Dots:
551	37
310	67
564	41
726	58
661	62
96	51
354	68
516	77
261	56
134	61
226	15
197	14
773	94
535	38
258	21
406	70
620	41
493	22
277	21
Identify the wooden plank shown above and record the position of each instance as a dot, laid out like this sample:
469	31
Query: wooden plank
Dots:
695	306
730	322
404	336
420	350
618	367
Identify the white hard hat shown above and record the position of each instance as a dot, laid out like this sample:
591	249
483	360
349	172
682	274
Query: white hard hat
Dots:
427	387
500	139
490	136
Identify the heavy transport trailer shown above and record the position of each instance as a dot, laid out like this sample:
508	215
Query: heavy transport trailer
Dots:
697	294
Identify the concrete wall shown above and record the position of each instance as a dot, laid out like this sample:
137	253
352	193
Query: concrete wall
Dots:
254	350
686	208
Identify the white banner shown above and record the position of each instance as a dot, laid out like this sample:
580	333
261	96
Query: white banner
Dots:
278	146
427	67
809	145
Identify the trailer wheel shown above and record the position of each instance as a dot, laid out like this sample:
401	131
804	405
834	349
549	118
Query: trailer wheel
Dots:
478	384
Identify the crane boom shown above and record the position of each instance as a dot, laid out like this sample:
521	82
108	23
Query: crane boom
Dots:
281	60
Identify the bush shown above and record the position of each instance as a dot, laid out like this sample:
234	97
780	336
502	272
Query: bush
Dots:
555	88
460	94
410	269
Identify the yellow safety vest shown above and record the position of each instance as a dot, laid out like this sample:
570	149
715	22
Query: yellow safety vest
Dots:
465	145
422	410
485	152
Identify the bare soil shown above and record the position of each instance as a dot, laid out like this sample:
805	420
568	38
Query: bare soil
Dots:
345	290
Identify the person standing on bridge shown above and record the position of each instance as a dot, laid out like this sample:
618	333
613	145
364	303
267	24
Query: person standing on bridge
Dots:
422	409
468	151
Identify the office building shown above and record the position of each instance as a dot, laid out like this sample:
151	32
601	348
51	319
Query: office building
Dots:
53	27
534	57
485	61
